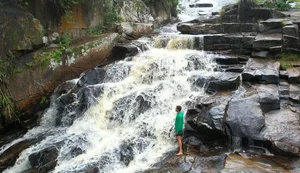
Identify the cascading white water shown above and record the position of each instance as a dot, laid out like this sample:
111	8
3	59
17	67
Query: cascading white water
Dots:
126	128
189	13
133	115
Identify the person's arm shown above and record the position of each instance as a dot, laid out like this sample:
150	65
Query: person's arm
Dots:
176	123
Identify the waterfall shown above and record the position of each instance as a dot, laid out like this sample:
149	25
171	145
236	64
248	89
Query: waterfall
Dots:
120	119
126	127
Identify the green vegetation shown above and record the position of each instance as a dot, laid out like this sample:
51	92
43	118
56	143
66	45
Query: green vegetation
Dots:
29	64
44	101
288	59
45	58
7	108
282	5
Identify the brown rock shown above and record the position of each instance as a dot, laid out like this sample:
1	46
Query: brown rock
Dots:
28	87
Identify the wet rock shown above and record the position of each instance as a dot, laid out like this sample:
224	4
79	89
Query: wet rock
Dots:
219	82
245	118
294	91
201	5
282	129
192	28
191	140
9	156
44	160
293	75
261	71
132	31
91	77
126	154
268	97
140	103
250	163
265	41
208	116
260	54
175	165
65	87
74	104
209	164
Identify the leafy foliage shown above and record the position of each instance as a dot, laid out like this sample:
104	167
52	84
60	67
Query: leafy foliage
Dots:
288	59
282	5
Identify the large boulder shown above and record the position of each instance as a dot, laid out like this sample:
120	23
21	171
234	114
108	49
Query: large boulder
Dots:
208	116
282	129
10	155
132	31
262	71
245	118
45	160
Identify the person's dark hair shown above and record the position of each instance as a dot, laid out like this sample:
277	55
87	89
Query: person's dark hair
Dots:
178	108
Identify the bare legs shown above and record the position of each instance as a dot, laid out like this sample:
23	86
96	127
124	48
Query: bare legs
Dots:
179	140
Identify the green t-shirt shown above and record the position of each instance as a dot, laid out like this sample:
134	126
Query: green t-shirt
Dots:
179	122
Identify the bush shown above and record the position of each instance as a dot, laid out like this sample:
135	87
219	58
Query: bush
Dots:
282	5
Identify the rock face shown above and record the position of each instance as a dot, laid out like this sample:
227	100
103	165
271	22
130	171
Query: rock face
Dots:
9	157
20	31
282	128
44	160
261	71
49	76
27	27
245	123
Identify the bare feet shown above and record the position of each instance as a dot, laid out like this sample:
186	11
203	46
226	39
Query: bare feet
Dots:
179	154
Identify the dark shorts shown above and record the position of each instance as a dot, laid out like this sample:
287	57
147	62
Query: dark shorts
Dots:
180	133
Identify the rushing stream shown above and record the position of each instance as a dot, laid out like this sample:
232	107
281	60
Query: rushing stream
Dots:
130	122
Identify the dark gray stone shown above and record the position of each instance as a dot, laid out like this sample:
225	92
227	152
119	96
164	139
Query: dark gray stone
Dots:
262	71
208	116
231	27
265	41
282	129
45	159
201	5
294	93
290	42
291	30
191	28
245	118
249	27
293	75
219	82
91	77
268	97
274	23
